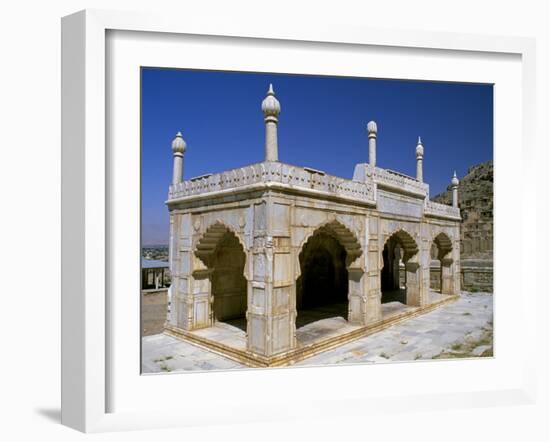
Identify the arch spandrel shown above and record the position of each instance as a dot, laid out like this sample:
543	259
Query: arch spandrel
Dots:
444	245
406	240
205	247
341	233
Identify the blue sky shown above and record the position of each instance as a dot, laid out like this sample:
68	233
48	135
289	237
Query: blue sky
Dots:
322	125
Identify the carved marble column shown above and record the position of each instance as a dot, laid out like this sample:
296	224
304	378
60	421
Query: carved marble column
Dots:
191	286
358	294
447	277
373	301
271	313
396	258
425	261
414	282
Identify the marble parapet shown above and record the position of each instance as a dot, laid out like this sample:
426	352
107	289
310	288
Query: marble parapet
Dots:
434	209
399	182
273	174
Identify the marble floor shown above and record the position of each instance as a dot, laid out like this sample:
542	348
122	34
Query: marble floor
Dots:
459	329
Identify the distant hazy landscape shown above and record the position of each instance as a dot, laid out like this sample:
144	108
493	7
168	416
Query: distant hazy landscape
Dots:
158	252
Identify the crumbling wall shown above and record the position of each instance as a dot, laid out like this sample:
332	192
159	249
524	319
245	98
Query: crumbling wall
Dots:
475	200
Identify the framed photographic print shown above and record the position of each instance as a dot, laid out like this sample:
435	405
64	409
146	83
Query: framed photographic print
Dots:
277	264
289	218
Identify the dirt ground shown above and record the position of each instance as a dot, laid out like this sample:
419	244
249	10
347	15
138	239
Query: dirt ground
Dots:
154	305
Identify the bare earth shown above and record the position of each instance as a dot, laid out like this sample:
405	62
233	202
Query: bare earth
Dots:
462	329
153	311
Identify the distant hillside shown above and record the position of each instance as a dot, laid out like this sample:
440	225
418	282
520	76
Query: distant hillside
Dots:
475	199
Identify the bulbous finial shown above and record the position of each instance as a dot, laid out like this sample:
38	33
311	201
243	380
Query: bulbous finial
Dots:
454	180
419	148
372	128
271	106
178	144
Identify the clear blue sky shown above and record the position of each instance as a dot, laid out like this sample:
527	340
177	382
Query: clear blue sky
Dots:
322	125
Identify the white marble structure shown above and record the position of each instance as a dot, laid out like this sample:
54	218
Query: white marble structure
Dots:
266	241
454	184
419	158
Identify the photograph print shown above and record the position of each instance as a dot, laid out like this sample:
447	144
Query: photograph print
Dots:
309	220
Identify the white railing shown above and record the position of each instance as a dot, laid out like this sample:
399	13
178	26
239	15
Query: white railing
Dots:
398	181
436	209
293	176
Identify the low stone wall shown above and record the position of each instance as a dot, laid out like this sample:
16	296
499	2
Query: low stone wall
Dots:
154	308
475	275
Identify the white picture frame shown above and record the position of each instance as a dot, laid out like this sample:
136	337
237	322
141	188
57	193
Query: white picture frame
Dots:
87	210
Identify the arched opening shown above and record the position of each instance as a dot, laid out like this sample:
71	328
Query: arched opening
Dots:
441	253
224	256
322	288
228	282
398	277
392	284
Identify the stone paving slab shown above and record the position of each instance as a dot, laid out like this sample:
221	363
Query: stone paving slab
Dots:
323	329
465	323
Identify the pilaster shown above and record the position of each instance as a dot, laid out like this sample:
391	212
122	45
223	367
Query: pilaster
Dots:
414	282
272	310
191	294
373	298
425	261
447	277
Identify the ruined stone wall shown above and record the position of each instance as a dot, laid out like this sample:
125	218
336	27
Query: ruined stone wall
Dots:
475	275
475	199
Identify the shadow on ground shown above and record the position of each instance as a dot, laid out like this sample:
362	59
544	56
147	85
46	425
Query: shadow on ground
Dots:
51	414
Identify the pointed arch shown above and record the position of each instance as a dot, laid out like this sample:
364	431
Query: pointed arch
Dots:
443	243
400	248
406	241
343	235
206	246
224	277
324	274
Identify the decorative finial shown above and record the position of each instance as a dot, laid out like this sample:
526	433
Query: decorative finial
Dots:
178	144
271	109
419	148
271	106
454	180
454	183
372	128
178	149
